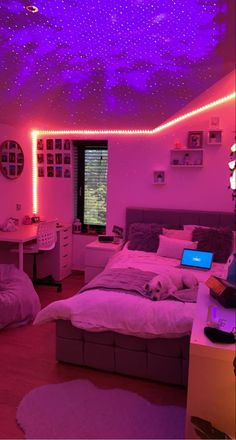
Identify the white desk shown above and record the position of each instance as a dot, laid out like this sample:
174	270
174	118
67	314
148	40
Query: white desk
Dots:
23	234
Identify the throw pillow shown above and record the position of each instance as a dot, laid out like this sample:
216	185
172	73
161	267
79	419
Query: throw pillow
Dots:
173	248
144	237
180	234
216	240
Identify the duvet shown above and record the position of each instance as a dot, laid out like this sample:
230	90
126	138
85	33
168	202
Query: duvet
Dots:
99	310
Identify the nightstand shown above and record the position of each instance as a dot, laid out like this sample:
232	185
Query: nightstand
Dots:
97	255
211	382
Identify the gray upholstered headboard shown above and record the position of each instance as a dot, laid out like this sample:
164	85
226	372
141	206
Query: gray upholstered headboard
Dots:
176	218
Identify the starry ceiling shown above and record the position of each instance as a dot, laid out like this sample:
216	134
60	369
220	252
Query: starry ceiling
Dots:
110	63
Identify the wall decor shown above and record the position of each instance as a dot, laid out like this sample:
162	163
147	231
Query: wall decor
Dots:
186	157
54	157
11	159
215	137
159	177
195	139
214	123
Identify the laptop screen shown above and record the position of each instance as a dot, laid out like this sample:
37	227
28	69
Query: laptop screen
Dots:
196	258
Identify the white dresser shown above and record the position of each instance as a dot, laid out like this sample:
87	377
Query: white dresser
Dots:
97	255
58	261
211	383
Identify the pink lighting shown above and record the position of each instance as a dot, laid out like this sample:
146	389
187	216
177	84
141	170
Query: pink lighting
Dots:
34	172
37	133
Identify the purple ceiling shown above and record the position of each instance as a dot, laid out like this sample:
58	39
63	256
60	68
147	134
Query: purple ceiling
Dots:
117	64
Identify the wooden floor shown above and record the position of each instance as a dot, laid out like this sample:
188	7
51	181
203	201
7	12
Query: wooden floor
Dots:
27	360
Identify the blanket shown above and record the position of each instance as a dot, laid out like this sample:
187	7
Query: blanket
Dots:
129	280
135	281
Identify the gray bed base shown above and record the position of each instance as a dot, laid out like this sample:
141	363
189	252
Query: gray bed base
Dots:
159	359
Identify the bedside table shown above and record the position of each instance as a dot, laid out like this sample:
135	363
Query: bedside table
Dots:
211	381
97	255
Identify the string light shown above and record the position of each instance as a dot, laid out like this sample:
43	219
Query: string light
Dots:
37	133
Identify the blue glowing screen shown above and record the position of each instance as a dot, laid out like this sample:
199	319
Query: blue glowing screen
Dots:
110	63
198	259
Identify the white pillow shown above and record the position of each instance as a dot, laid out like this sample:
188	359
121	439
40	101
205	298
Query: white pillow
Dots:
180	234
192	227
172	247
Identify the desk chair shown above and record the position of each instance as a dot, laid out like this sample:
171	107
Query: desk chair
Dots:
46	240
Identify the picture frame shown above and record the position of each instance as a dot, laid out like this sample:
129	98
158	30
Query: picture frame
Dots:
195	139
214	123
41	171
159	177
215	137
11	159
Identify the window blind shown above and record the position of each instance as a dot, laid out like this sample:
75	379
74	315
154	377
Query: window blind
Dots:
95	186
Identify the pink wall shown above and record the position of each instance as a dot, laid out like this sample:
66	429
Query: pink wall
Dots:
132	160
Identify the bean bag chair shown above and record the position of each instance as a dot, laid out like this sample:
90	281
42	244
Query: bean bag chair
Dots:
19	302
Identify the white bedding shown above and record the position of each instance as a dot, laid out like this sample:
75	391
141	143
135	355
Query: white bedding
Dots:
98	310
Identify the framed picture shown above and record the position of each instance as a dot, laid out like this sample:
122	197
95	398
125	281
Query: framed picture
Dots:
40	144
58	171
59	158
40	171
58	144
159	177
195	139
40	157
215	137
11	159
67	172
50	158
66	144
49	143
67	159
214	123
50	172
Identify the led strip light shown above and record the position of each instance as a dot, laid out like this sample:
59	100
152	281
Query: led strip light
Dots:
36	133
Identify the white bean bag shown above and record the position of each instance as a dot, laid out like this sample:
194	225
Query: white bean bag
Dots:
19	302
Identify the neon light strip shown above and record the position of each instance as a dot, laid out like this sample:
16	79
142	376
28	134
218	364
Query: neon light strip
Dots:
198	110
34	172
145	132
37	133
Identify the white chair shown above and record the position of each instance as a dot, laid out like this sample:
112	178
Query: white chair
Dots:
46	240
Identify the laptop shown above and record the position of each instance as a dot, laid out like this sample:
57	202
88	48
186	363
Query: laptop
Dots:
196	259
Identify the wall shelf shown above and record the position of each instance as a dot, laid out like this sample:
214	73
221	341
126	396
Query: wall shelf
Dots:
186	157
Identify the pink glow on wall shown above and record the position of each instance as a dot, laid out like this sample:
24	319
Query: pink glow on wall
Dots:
34	173
185	116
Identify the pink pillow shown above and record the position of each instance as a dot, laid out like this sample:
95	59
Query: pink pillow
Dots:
173	248
180	234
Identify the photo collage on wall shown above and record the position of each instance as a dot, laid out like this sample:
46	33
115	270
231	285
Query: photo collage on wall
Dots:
54	157
12	159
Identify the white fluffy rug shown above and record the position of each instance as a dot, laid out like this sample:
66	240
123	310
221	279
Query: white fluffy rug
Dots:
80	410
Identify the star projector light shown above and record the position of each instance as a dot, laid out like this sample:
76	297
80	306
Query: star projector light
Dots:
31	8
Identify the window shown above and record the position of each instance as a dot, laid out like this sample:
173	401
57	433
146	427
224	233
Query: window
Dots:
91	183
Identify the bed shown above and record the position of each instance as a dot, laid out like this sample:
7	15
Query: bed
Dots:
153	340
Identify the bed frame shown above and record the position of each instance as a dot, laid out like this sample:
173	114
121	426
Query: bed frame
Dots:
159	359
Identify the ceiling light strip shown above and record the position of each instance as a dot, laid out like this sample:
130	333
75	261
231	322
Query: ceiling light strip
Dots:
195	112
37	133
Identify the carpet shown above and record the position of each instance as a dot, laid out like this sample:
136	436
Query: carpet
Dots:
80	410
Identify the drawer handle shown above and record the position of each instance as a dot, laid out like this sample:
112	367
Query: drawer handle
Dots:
66	255
65	238
67	244
65	265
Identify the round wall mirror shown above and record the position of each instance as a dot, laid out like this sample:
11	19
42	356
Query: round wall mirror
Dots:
11	159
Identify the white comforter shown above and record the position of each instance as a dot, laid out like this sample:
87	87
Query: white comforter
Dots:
99	310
